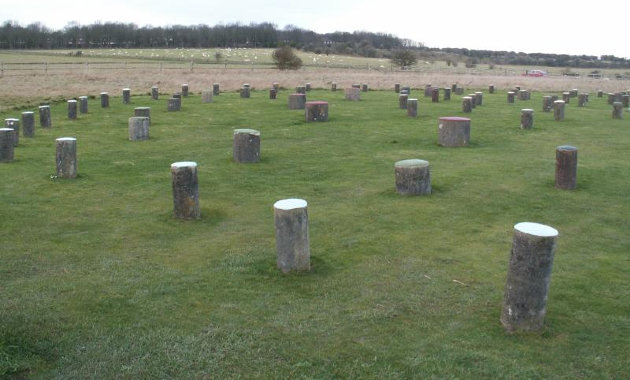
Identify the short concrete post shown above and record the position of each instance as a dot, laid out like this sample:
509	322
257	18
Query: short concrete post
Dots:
44	117
491	89
246	146
459	91
625	99
467	104
473	100
479	98
547	104
527	118
402	101
453	131
28	124
600	94
454	87
528	277
566	167
412	107
316	111
215	89
185	90
15	125
272	93
300	89
522	95
143	111
155	93
582	100
7	142
206	96
333	87
397	88
566	96
553	99
104	99
66	157
138	128
307	86
406	88
611	98
276	86
245	91
83	104
574	93
297	101
413	177
292	235
352	94
72	109
185	190
447	94
356	85
510	97
558	110
427	90
364	87
126	95
435	95
174	104
617	112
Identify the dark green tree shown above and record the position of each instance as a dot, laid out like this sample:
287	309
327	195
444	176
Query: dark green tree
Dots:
285	59
404	58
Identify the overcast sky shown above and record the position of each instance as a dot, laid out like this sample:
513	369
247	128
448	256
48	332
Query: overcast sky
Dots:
551	26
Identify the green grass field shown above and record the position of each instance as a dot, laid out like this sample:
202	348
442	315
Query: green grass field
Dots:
98	280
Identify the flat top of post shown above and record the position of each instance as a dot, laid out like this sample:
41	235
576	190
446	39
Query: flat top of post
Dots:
72	101
247	130
566	147
83	97
126	89
27	112
44	106
536	229
412	100
455	118
66	139
413	162
142	108
297	94
184	164
317	102
12	119
527	110
104	93
6	129
559	101
290	204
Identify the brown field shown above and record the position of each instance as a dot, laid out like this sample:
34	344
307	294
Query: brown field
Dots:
37	84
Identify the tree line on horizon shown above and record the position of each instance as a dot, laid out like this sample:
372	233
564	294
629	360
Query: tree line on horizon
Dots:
14	36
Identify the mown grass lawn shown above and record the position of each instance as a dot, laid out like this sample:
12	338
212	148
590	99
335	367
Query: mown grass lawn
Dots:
98	280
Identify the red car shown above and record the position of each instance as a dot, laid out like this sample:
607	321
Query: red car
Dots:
534	73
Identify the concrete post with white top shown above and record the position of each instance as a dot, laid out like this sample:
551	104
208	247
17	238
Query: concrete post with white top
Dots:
292	235
528	277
